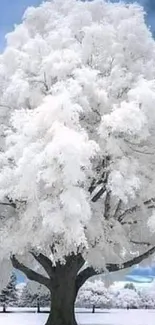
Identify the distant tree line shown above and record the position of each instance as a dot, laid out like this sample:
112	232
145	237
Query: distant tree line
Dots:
96	294
92	295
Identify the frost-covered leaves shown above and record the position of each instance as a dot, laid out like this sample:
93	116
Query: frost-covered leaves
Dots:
74	92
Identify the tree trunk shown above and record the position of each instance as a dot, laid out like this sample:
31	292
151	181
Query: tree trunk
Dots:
62	308
62	281
63	293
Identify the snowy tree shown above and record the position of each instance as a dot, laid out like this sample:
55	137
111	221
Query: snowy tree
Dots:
126	298
8	295
26	298
147	297
77	101
44	300
94	293
130	286
12	291
20	287
31	294
4	297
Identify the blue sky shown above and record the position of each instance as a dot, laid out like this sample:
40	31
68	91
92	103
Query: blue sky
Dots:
141	274
11	12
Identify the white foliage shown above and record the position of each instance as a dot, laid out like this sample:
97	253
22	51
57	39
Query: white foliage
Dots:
94	293
126	298
77	86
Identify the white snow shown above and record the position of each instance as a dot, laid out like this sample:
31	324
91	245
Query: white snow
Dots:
106	317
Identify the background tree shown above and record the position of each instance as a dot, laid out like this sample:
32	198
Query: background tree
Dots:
32	293
126	298
8	295
129	286
77	102
94	293
26	297
147	298
4	297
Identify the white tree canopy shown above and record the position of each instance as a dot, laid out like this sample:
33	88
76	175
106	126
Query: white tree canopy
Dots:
94	293
126	298
77	110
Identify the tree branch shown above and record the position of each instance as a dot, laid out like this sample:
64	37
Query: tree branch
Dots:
131	144
102	181
152	200
135	208
84	275
128	211
31	275
45	262
107	206
11	204
117	211
130	222
134	261
97	196
135	242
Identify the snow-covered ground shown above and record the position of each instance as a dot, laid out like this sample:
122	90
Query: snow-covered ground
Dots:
109	317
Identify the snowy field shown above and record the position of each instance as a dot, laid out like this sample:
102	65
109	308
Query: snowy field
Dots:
112	317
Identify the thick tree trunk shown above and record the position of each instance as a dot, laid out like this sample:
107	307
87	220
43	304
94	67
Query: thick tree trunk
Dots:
62	283
63	293
62	308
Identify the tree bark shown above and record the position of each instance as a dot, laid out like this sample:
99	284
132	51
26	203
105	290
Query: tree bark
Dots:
62	303
63	292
